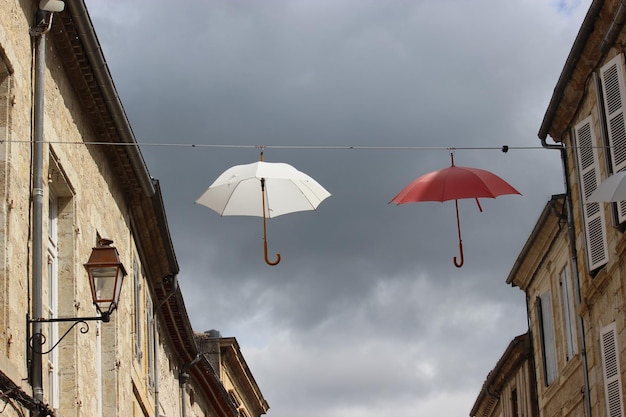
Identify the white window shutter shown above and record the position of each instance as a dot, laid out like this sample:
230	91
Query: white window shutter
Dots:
588	169
569	314
614	100
611	371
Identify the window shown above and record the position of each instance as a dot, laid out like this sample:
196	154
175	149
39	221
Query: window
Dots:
569	313
614	101
514	403
589	172
151	342
5	98
234	398
61	275
546	332
137	309
6	101
53	299
611	371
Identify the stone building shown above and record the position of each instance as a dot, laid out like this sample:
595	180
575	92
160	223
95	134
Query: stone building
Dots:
509	390
585	122
71	175
573	268
517	386
225	357
544	271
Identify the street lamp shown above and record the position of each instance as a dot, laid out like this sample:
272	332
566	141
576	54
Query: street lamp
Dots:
106	274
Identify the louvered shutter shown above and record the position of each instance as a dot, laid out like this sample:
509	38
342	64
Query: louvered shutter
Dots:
611	371
614	99
548	344
588	169
569	315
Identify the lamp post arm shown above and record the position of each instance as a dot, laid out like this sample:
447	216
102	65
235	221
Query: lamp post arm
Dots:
41	338
104	317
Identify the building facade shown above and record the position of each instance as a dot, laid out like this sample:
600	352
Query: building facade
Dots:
509	390
225	357
544	271
585	120
71	174
572	269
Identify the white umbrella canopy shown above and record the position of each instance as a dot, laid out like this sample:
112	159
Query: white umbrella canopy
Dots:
237	192
263	189
610	190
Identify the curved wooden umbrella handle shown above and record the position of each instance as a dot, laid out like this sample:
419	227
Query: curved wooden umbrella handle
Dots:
458	226
457	264
267	260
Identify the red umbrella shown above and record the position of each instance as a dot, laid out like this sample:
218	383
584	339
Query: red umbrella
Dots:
454	183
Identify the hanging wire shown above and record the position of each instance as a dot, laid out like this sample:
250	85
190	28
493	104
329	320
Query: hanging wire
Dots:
503	148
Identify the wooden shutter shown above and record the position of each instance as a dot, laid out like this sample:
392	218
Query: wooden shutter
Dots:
614	100
611	371
593	213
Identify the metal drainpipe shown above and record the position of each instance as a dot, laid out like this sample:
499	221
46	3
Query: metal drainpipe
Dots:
42	25
572	246
183	376
155	343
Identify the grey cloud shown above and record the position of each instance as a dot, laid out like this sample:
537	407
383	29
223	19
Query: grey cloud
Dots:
366	314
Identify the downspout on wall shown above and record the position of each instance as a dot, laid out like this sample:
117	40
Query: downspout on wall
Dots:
41	26
183	377
571	234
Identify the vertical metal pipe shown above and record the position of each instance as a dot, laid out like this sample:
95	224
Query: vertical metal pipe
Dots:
183	404
37	201
155	353
183	377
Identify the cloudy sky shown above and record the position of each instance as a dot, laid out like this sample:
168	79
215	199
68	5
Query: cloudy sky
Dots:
366	314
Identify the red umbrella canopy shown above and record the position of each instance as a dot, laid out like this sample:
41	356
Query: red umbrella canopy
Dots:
454	183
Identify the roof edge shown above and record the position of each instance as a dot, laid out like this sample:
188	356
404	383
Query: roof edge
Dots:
570	65
88	37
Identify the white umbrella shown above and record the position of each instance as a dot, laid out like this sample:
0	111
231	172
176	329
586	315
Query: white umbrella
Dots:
611	189
263	189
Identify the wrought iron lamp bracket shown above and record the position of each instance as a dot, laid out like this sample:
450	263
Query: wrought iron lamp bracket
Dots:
40	339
